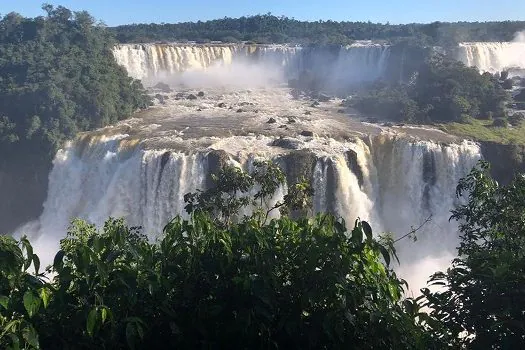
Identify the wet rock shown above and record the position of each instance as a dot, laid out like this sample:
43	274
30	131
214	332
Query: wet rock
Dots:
240	110
291	120
340	111
307	113
314	104
282	126
287	143
388	124
199	110
323	98
179	96
271	121
191	97
221	105
200	94
217	159
307	133
162	86
353	165
373	120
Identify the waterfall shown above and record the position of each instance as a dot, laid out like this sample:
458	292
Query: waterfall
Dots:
361	61
493	56
391	182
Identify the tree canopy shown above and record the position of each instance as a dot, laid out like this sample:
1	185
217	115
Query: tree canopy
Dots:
482	303
441	90
58	77
268	28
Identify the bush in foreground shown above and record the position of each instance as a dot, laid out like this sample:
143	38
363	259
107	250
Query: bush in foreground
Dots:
212	282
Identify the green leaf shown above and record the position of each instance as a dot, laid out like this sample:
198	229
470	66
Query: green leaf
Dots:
104	314
31	336
385	254
15	341
31	303
36	263
367	229
92	321
357	235
58	260
131	334
45	294
4	301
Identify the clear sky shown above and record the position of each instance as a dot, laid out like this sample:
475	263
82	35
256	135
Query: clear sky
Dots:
114	12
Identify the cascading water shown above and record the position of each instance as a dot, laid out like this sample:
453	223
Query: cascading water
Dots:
396	185
141	168
493	56
362	61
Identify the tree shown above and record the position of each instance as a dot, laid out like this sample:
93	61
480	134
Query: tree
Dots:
58	77
481	305
216	282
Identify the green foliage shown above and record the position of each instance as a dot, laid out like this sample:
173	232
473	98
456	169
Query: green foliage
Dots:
444	90
481	306
22	294
482	130
211	283
268	28
58	77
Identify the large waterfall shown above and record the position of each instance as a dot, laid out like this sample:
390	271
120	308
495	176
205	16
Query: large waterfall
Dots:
493	56
362	61
394	183
396	177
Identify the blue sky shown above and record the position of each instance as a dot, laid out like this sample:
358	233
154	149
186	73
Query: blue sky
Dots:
114	12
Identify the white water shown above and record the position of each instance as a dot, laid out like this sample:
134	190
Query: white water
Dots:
349	64
493	56
97	177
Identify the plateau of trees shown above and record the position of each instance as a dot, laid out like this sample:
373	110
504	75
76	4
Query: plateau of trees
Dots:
57	77
441	90
219	279
268	28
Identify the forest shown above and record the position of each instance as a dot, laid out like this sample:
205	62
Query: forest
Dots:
58	77
271	29
441	90
221	280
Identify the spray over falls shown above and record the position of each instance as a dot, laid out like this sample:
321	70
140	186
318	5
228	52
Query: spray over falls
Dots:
362	61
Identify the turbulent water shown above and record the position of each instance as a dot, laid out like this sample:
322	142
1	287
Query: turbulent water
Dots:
140	169
396	177
362	61
494	56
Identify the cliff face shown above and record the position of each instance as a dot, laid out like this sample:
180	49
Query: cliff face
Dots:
505	160
23	189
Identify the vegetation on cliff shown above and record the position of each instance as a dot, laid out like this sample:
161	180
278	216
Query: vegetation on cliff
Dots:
57	77
269	28
442	90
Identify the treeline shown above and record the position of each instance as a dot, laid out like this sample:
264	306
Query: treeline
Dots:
251	282
441	90
269	28
57	77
